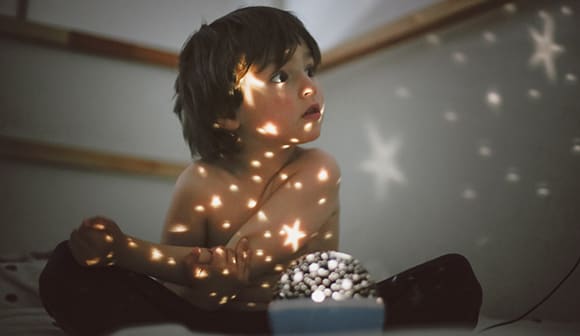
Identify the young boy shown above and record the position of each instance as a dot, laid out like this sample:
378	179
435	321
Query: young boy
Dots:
247	97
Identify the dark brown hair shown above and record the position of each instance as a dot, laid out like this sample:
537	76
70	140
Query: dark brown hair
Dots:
216	57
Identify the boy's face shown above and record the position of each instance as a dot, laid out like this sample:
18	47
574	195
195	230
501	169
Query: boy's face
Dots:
282	105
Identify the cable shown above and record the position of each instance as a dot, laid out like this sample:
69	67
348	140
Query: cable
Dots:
538	304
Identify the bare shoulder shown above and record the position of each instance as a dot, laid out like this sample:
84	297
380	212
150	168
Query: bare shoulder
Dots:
186	218
319	161
198	175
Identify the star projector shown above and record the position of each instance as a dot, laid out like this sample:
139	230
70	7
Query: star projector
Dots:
325	291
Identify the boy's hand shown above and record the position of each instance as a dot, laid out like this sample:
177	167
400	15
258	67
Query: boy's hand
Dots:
220	263
95	242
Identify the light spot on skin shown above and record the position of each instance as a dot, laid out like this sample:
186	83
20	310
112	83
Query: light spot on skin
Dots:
267	234
283	177
212	294
156	254
268	129
234	188
323	175
226	225
294	140
297	185
257	178
251	203
293	235
109	238
200	273
110	255
199	208
268	259
251	304
171	261
223	300
308	127
262	216
178	228
259	252
226	271
216	201
91	262
98	226
328	235
265	285
279	268
269	155
201	171
321	201
255	163
286	146
131	243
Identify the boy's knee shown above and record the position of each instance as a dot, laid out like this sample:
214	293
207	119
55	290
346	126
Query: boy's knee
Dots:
455	265
458	271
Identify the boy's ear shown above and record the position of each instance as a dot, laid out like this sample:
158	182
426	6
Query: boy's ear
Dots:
228	124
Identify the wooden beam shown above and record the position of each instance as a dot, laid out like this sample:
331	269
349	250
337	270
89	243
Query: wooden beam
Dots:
83	42
12	148
406	28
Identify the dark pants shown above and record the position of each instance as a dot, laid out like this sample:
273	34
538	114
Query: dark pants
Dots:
95	301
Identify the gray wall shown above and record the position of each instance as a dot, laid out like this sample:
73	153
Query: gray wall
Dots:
464	177
497	183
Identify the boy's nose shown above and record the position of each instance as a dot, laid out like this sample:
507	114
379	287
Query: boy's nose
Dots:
309	88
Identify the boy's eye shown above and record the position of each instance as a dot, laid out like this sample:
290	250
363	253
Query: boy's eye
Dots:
311	71
279	77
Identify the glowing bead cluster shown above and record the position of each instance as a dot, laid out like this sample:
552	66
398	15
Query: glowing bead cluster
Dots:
322	275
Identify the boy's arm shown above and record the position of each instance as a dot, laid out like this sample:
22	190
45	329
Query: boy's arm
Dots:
99	241
184	229
294	213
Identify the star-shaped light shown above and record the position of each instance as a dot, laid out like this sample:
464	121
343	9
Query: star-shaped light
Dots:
382	163
293	235
546	49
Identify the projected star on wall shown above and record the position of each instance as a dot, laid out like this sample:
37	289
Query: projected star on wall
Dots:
545	49
382	164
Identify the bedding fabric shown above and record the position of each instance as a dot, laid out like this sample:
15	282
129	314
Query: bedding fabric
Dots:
441	292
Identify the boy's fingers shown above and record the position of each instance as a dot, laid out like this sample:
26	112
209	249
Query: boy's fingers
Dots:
204	255
80	250
244	256
219	259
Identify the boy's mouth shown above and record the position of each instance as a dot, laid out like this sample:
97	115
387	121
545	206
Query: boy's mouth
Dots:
313	112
